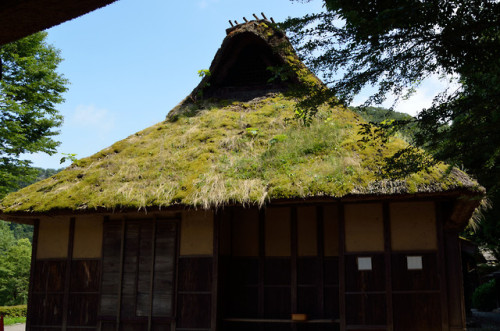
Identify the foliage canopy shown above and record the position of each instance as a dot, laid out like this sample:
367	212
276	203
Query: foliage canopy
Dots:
30	89
15	261
394	45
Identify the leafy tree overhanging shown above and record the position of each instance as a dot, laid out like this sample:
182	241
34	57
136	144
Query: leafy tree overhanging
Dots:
395	44
30	89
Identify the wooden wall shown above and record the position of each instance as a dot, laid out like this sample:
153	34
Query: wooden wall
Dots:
138	275
65	280
351	266
195	293
275	262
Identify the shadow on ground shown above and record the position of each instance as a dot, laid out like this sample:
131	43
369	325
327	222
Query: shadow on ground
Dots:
483	321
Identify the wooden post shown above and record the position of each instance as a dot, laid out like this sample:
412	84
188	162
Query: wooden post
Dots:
262	254
442	266
342	307
99	321
321	256
388	265
293	262
67	278
32	274
215	269
120	279
152	274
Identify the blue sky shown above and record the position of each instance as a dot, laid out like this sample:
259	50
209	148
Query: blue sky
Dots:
132	61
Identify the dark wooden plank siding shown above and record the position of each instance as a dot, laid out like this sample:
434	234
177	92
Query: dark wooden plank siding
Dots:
426	279
456	310
261	292
84	293
417	312
49	293
194	294
138	277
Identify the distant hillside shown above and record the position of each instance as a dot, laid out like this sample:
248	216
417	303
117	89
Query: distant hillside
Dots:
20	231
380	114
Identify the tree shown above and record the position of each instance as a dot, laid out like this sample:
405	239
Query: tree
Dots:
7	238
14	273
395	44
29	91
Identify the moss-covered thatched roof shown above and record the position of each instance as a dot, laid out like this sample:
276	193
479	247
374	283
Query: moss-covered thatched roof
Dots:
212	152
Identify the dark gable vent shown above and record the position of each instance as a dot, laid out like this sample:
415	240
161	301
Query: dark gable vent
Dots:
244	67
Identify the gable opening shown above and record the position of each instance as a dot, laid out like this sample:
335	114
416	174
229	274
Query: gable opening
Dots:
244	66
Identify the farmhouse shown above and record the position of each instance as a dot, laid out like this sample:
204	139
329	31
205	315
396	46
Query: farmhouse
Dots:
230	215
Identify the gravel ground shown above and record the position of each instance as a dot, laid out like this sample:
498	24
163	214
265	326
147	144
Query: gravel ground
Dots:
15	327
483	321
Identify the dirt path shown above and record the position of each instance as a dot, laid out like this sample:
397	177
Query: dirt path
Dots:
483	321
15	327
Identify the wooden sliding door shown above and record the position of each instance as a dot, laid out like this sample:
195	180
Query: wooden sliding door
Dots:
278	262
138	275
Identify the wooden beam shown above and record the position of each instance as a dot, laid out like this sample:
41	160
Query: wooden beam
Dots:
67	277
120	278
342	306
455	288
262	256
178	229
215	269
320	234
32	273
440	219
152	273
293	260
99	322
388	265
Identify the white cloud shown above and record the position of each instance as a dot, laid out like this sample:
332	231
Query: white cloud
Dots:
425	94
420	99
89	117
203	4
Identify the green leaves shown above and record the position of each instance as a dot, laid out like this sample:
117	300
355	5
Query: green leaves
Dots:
15	261
394	45
29	92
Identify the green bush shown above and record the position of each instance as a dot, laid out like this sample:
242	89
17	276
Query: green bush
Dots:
13	311
484	297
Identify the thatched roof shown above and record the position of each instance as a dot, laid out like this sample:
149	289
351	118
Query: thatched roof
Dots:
213	150
20	18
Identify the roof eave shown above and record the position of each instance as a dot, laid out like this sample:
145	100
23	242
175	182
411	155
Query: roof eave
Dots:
21	18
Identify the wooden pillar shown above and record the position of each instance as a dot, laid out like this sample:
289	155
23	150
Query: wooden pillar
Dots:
152	272
321	255
455	288
34	246
215	270
440	219
120	278
388	265
293	260
99	321
262	256
67	278
342	302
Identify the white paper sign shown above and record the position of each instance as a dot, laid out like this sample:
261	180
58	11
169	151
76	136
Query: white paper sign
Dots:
414	262
364	263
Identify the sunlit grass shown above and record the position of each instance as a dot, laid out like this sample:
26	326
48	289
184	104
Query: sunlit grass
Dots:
13	320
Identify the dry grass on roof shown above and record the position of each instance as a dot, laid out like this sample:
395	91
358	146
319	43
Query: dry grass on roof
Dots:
229	152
